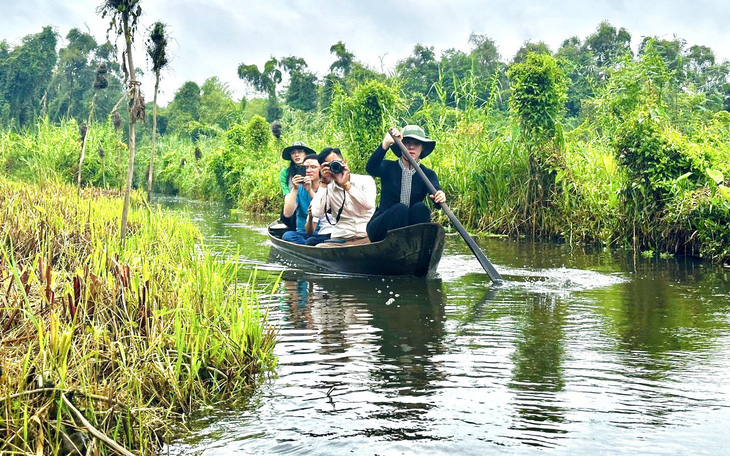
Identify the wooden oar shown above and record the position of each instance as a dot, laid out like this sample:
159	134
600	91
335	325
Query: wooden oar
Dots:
488	267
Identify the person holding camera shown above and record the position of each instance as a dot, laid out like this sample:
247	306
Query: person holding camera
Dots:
344	200
296	203
402	193
295	154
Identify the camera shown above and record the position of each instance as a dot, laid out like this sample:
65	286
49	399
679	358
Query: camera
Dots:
301	170
337	166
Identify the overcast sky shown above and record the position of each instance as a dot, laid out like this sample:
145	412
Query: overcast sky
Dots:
212	37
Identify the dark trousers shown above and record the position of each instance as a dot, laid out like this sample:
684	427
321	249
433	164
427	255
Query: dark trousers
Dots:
397	216
317	239
290	222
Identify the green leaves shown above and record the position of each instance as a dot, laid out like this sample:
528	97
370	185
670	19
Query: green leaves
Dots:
539	89
715	175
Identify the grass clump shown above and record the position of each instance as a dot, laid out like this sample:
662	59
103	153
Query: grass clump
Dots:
104	344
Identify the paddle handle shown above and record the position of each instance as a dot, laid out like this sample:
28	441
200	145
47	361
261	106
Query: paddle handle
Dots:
486	264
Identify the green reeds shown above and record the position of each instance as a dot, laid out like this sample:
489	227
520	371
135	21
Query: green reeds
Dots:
126	337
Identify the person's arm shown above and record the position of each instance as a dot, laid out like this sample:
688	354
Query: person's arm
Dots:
290	200
284	181
439	196
363	194
374	166
318	201
309	226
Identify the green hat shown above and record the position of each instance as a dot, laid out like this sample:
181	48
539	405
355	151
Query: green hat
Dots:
286	153
417	133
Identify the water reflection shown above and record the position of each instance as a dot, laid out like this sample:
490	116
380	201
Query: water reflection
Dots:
581	352
537	375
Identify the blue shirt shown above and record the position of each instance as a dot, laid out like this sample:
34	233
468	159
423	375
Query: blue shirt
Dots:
303	200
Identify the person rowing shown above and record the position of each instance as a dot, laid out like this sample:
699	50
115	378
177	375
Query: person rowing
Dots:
402	194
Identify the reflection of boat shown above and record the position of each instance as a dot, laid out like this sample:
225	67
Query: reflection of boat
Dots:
410	251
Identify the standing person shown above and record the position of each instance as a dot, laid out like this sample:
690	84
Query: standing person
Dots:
295	154
296	203
402	193
347	201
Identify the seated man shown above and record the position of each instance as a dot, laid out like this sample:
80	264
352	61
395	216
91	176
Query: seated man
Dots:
347	201
296	203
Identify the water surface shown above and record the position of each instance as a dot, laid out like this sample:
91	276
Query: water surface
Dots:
579	352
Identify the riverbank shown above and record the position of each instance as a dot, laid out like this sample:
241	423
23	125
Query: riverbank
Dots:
643	185
104	344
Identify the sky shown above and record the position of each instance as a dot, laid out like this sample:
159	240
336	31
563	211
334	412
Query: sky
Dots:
213	37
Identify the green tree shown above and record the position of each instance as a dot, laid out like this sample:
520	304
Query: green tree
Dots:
265	82
216	104
72	79
301	93
670	51
538	96
26	72
366	116
578	65
608	44
345	59
419	72
184	109
530	47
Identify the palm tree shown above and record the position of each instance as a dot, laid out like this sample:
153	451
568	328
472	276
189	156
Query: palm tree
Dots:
156	48
345	59
124	15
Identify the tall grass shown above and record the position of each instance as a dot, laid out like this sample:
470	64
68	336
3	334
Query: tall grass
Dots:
127	337
50	152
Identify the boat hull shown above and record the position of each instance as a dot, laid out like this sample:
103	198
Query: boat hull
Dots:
410	251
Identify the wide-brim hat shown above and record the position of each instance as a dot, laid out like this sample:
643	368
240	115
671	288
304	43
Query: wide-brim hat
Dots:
286	153
417	133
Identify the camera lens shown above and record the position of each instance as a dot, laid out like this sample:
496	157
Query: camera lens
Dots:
336	167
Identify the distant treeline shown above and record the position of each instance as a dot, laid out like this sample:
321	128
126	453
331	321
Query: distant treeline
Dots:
39	79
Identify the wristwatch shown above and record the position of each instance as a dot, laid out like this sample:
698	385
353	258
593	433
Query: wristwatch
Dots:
347	185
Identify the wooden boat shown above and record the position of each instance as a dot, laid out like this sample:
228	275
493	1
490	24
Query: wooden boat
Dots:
410	251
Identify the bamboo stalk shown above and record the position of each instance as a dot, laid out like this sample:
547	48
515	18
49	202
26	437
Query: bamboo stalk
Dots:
95	432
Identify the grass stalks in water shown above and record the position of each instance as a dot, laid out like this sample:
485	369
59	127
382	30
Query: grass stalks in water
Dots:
127	338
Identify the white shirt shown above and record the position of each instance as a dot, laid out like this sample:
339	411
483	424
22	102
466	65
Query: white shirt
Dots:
358	208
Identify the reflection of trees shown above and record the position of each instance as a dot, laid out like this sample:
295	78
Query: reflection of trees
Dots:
396	323
537	375
657	312
665	321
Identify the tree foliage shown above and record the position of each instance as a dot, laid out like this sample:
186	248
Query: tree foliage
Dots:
538	96
25	73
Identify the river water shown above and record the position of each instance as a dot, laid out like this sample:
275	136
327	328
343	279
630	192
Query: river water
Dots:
578	352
